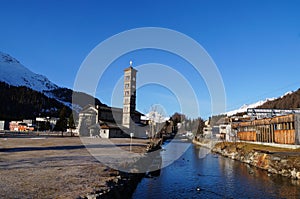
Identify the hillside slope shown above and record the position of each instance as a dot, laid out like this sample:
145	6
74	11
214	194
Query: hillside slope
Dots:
24	91
290	100
18	103
14	73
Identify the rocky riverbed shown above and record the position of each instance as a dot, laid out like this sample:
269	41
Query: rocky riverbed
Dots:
285	162
47	167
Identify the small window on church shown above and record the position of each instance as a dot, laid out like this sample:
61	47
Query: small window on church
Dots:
126	93
133	78
126	85
127	77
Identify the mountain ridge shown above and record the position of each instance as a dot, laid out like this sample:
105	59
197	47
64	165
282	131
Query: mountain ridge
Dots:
289	100
16	76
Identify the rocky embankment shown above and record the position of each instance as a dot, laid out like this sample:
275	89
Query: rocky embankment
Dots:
274	160
121	186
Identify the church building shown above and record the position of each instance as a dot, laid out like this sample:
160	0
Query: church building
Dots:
110	122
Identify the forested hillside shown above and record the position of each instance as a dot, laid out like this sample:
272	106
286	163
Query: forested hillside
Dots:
289	101
67	95
17	103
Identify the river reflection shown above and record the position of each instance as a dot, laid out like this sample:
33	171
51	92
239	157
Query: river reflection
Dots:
200	174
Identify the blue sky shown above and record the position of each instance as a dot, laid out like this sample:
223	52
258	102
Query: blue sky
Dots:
255	44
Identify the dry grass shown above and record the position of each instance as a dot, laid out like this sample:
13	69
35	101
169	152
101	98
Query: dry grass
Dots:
247	147
53	167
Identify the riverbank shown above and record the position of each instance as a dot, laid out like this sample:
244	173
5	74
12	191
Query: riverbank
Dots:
205	143
47	167
201	174
274	160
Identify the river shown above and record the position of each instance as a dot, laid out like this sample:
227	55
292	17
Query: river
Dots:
201	174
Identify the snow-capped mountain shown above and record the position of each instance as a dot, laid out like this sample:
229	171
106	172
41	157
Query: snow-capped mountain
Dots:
14	73
155	116
244	108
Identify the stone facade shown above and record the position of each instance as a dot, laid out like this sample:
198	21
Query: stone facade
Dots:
129	99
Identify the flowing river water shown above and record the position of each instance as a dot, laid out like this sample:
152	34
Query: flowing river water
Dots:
201	174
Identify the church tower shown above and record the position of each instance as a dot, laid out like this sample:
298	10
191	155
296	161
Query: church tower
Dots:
129	96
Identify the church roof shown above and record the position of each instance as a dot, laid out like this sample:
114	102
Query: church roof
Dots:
108	125
90	107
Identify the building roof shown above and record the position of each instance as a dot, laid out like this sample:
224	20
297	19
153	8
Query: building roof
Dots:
107	108
108	125
266	121
94	126
129	68
88	107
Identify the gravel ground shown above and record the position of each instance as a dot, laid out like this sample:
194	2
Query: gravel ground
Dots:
57	167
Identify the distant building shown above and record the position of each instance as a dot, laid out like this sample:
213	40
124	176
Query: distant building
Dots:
41	121
20	126
207	132
2	123
109	122
226	132
14	125
222	129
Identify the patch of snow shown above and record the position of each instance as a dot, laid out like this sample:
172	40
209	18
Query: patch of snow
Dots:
74	107
287	93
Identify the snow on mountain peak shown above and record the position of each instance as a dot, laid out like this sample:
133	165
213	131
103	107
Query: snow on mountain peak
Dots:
246	106
287	93
6	58
14	73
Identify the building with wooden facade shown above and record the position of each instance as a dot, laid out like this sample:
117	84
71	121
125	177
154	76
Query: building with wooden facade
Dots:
280	129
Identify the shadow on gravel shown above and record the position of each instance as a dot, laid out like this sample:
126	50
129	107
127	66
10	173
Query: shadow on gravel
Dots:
22	149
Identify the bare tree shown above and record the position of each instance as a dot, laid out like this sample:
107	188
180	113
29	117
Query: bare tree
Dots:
157	117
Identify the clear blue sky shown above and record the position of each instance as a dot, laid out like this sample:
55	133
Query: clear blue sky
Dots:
255	44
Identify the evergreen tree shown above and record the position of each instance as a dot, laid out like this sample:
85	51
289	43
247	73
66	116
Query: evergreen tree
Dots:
71	123
62	122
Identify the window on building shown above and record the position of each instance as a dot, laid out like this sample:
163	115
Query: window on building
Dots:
127	77
126	85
